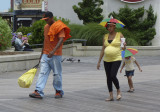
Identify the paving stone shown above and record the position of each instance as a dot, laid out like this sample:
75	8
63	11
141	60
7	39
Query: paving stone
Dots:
85	90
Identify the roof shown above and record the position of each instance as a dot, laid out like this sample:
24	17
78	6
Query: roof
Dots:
6	14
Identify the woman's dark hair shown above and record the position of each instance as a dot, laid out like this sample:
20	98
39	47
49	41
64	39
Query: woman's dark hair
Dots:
108	23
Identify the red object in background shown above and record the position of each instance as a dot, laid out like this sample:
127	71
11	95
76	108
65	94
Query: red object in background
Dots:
132	1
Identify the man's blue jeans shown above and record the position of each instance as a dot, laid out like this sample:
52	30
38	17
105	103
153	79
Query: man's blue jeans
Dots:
48	64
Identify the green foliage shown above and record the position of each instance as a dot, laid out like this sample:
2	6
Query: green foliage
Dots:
138	25
10	10
92	32
37	32
5	35
89	10
75	28
130	36
65	21
24	30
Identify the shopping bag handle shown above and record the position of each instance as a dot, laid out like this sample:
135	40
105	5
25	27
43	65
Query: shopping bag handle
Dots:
36	66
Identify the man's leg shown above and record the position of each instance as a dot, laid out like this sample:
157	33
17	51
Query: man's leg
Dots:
43	75
57	74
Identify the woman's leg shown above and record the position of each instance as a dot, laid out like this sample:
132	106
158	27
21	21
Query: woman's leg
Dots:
114	71
107	66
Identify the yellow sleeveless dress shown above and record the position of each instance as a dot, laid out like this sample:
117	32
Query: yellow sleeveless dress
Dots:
112	52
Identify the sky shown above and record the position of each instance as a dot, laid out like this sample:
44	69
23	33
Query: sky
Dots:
4	5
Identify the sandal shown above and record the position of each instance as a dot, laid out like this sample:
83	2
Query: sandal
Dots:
131	90
111	99
119	97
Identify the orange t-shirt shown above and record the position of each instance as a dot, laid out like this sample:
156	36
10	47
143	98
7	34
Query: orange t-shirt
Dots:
50	45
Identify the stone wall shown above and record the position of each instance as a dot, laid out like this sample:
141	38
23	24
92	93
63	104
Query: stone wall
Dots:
76	49
10	63
26	61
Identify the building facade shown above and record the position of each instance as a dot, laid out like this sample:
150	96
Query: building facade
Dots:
26	12
63	8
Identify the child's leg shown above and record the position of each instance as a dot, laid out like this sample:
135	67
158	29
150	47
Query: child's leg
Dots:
130	82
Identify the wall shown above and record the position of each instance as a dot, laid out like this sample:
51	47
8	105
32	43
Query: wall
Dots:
17	62
63	8
76	49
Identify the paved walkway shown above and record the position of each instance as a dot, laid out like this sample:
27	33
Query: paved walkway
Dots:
85	90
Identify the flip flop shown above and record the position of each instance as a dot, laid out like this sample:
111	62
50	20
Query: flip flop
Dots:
119	97
111	99
131	90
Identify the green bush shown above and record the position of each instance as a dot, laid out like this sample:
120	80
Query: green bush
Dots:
65	21
89	11
5	35
24	30
37	32
137	24
130	36
92	32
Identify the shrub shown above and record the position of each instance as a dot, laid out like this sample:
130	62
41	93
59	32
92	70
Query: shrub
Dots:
140	26
24	30
5	35
92	32
37	32
130	37
89	10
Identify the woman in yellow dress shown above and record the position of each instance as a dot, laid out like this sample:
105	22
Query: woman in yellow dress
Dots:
111	51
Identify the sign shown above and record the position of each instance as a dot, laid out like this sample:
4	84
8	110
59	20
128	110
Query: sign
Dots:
46	5
28	5
132	1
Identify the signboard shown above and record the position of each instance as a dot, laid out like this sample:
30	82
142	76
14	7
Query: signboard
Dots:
132	1
28	4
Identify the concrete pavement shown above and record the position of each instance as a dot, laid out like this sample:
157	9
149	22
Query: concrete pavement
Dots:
85	89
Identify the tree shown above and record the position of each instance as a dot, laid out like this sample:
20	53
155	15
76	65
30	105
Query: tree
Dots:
89	11
141	26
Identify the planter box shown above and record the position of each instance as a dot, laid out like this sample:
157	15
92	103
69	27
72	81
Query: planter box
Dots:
28	60
16	62
76	49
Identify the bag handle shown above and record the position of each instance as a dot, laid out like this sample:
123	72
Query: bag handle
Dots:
36	66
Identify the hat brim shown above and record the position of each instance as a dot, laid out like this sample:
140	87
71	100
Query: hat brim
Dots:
44	18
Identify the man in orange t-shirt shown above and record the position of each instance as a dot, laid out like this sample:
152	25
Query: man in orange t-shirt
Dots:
55	32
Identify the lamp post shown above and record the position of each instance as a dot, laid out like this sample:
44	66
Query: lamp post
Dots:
16	3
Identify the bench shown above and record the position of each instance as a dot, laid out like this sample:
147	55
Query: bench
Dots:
36	45
78	40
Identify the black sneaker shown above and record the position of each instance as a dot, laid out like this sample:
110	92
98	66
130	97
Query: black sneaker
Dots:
35	94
